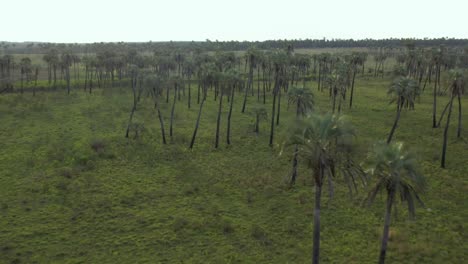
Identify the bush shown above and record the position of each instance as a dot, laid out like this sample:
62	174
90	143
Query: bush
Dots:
259	234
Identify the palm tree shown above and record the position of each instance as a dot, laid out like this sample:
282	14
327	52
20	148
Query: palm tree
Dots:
154	84
177	82
304	100
221	81
134	72
279	60
404	92
25	67
206	78
234	81
251	57
356	59
396	173
457	89
437	57
325	142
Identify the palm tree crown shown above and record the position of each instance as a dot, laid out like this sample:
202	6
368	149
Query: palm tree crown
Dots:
404	91
303	99
395	170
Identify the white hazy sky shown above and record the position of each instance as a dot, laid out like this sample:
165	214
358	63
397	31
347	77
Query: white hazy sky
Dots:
144	20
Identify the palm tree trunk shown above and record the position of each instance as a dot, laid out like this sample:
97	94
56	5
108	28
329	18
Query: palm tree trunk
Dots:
352	89
258	83
198	92
316	240
459	117
294	166
130	121
218	120
444	146
197	123
319	75
228	136
279	107
245	97
434	104
189	93
272	128
172	112
21	90
443	114
67	72
161	123
134	105
395	124
383	249
264	86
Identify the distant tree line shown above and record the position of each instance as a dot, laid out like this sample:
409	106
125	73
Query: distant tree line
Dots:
215	45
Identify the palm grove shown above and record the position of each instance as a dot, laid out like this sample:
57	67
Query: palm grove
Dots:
267	83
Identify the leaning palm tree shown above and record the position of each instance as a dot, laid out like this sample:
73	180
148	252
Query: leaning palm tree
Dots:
396	173
325	142
457	88
403	91
304	100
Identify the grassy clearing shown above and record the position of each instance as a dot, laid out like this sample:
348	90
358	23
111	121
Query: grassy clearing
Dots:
73	189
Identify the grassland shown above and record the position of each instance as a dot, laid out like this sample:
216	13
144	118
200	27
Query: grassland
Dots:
74	190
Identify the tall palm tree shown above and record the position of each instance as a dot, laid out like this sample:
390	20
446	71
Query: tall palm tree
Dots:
396	173
325	142
176	81
304	100
234	81
403	92
456	90
26	69
279	60
134	72
207	72
155	86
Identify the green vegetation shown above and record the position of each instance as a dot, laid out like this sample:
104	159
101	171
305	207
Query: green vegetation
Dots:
177	158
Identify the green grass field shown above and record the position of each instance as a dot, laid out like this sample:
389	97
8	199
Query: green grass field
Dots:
139	201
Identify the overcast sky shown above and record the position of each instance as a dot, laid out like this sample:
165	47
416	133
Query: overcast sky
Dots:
144	20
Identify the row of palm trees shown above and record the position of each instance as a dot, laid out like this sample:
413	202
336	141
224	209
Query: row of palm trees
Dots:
274	72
